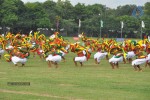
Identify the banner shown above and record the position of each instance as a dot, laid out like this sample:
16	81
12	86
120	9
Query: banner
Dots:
142	24
79	23
101	22
122	24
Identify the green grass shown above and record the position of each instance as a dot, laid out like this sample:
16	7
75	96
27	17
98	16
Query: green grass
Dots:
68	82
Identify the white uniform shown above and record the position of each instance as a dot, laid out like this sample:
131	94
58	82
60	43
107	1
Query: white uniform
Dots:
1	51
116	59
63	53
16	60
148	58
56	58
138	61
81	59
130	54
99	56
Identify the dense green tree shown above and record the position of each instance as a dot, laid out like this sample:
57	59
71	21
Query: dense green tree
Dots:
147	8
50	9
69	26
131	24
68	10
1	14
9	11
80	11
95	9
125	10
23	17
36	16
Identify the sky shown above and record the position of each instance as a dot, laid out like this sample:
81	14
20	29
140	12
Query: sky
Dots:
109	3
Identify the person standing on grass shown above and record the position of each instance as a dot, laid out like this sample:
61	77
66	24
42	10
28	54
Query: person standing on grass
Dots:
117	57
100	54
53	58
148	55
83	54
80	58
19	58
16	55
141	59
20	55
1	52
129	50
2	45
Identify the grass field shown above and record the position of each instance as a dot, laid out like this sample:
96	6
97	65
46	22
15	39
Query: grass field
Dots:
68	82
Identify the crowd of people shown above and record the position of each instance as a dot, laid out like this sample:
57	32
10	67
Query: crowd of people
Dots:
18	47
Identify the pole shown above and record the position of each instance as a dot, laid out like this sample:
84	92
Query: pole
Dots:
121	28
121	32
141	32
101	25
79	26
142	26
78	30
100	31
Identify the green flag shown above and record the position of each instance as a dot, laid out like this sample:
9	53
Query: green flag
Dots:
101	23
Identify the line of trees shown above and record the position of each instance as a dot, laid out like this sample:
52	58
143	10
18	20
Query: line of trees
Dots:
23	17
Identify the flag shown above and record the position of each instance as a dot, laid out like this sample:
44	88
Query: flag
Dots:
122	24
101	23
142	24
79	23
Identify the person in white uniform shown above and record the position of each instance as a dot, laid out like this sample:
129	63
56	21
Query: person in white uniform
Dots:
100	55
141	59
80	59
1	52
130	55
148	56
116	58
19	58
53	58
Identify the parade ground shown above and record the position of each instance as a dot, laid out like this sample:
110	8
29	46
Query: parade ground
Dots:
74	49
36	81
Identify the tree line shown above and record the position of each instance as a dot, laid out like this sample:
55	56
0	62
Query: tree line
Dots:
17	16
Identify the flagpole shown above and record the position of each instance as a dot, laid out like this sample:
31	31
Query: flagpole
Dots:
100	31
142	26
78	30
121	32
101	25
79	26
121	28
141	32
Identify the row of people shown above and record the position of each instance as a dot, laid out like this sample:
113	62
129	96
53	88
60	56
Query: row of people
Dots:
53	50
